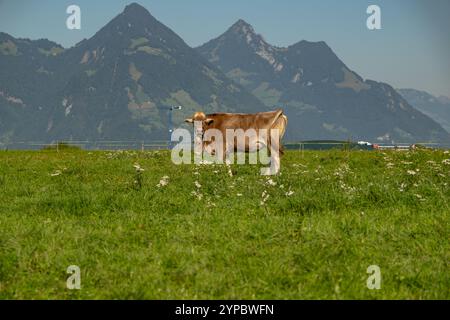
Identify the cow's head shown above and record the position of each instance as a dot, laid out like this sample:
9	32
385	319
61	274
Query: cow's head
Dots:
201	124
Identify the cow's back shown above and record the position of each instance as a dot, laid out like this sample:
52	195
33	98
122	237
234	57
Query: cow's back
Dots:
257	121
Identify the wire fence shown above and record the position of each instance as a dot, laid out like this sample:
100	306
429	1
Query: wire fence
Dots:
85	145
165	145
348	145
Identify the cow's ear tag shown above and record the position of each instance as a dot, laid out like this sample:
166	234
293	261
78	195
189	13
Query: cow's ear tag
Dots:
189	120
209	121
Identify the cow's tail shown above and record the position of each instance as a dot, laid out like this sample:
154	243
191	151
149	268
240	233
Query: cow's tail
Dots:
283	131
281	124
284	125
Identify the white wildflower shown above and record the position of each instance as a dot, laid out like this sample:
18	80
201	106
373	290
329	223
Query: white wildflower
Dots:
411	172
418	196
56	173
390	165
290	193
198	195
264	197
138	167
163	182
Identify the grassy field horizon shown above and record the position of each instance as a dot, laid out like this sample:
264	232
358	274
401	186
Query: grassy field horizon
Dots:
140	227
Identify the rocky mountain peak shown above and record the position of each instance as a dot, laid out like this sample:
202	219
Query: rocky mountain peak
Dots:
242	27
134	9
245	31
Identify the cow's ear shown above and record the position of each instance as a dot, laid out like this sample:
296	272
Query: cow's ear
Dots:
189	120
209	121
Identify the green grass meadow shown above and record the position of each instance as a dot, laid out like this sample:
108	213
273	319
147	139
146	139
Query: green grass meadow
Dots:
194	232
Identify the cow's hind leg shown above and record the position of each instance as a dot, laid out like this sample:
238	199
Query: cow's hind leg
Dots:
281	149
274	149
275	158
280	125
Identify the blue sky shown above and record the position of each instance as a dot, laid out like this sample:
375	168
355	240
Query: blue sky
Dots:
411	50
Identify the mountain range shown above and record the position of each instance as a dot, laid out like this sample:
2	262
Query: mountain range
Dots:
437	108
116	85
322	97
119	84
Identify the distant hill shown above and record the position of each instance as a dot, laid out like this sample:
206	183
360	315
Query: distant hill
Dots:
118	84
115	85
437	108
323	98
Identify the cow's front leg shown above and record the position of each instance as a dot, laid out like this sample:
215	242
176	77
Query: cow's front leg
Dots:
228	163
227	160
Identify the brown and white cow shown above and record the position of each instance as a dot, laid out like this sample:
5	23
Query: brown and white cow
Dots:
268	129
